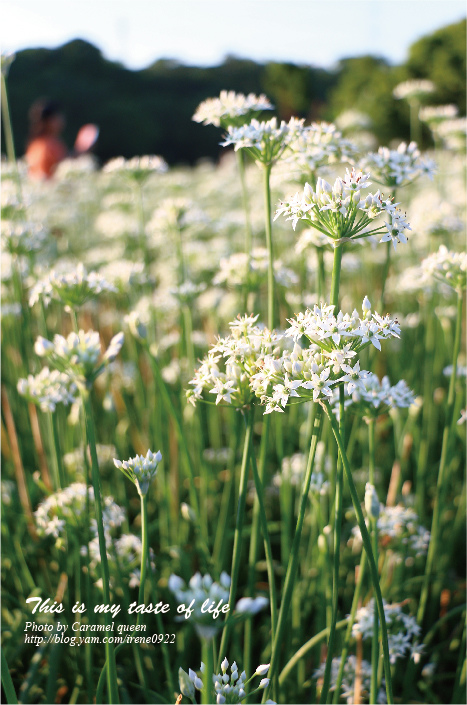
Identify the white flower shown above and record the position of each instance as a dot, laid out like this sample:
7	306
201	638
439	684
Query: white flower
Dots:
265	140
78	354
413	89
72	286
138	168
230	108
250	605
47	389
402	628
342	210
447	267
398	167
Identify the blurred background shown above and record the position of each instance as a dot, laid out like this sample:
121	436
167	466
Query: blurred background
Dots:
139	69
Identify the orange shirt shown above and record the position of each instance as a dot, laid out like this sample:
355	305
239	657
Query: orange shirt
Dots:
43	154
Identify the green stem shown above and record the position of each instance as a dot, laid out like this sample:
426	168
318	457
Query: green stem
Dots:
442	480
348	633
268	225
109	649
237	548
7	683
293	560
8	132
367	545
267	542
321	273
414	105
336	275
374	538
248	235
58	454
336	557
144	552
387	264
208	660
254	541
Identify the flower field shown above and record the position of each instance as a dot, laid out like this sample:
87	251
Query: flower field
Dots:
233	419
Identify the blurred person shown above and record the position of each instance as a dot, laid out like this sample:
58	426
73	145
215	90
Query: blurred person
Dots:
45	148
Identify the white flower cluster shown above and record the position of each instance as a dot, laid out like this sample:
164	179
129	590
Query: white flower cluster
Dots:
266	141
402	629
398	528
374	398
74	460
140	469
453	133
228	688
230	108
22	237
124	274
353	121
137	167
311	373
397	167
188	291
447	267
176	213
202	593
241	267
293	470
72	287
124	555
47	389
67	508
342	211
243	353
78	354
435	114
413	89
317	145
351	668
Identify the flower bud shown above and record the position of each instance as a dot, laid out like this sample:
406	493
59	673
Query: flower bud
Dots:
371	501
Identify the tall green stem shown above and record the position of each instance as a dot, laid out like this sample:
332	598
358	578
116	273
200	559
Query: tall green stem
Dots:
387	264
268	226
208	660
367	546
336	276
348	633
254	541
267	541
441	484
144	552
9	142
336	557
292	566
374	538
237	548
246	207
109	649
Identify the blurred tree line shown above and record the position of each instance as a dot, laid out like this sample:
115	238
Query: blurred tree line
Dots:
149	111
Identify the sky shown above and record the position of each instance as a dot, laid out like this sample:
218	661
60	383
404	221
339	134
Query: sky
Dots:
203	32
